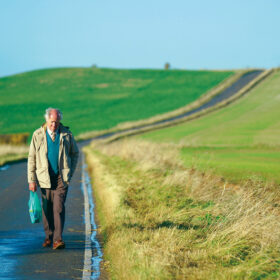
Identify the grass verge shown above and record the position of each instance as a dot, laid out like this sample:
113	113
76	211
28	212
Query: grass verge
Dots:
10	153
160	220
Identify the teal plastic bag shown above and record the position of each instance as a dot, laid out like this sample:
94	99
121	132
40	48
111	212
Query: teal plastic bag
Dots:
35	209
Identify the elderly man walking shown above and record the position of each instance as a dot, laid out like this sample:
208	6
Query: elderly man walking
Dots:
52	159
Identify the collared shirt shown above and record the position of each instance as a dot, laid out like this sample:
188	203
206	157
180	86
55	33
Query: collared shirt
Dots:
51	132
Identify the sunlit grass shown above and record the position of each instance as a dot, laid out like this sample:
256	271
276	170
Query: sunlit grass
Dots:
97	99
238	141
252	120
169	222
12	152
235	163
197	201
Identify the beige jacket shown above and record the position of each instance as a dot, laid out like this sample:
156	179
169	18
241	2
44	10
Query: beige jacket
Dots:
38	166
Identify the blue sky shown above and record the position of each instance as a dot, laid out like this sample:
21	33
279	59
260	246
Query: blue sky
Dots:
199	34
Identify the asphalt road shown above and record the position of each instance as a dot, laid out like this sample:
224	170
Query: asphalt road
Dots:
21	253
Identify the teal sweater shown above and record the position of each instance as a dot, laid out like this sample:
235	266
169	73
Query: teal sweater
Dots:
53	150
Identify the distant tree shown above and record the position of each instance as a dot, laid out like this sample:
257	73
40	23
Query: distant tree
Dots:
167	66
94	66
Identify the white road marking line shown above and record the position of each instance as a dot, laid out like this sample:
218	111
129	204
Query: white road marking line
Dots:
92	261
5	167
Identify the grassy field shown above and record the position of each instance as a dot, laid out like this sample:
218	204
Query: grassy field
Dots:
236	163
160	220
238	141
200	200
96	99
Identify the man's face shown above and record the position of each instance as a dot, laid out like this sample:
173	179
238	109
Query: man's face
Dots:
53	121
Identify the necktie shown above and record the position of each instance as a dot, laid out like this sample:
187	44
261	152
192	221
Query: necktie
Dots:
53	136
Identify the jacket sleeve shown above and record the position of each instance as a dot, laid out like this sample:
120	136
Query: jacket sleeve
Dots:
31	166
74	154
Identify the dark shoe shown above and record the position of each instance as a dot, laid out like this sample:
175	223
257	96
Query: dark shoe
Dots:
47	243
59	244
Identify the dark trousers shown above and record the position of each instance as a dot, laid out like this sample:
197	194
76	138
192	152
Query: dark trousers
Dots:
53	200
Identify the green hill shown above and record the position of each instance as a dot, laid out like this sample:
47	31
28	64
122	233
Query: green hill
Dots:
97	99
238	141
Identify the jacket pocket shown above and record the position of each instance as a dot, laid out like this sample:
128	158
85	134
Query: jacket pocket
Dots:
42	175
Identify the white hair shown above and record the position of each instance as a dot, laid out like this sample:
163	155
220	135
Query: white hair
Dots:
48	111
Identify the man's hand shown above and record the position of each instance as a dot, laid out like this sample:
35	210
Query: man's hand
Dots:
33	187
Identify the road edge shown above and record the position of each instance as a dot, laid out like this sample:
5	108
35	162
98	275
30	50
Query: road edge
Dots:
91	269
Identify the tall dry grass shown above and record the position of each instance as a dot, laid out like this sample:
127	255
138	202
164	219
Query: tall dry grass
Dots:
12	152
171	223
11	149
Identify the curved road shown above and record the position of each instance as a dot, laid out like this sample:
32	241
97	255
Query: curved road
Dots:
21	254
224	95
